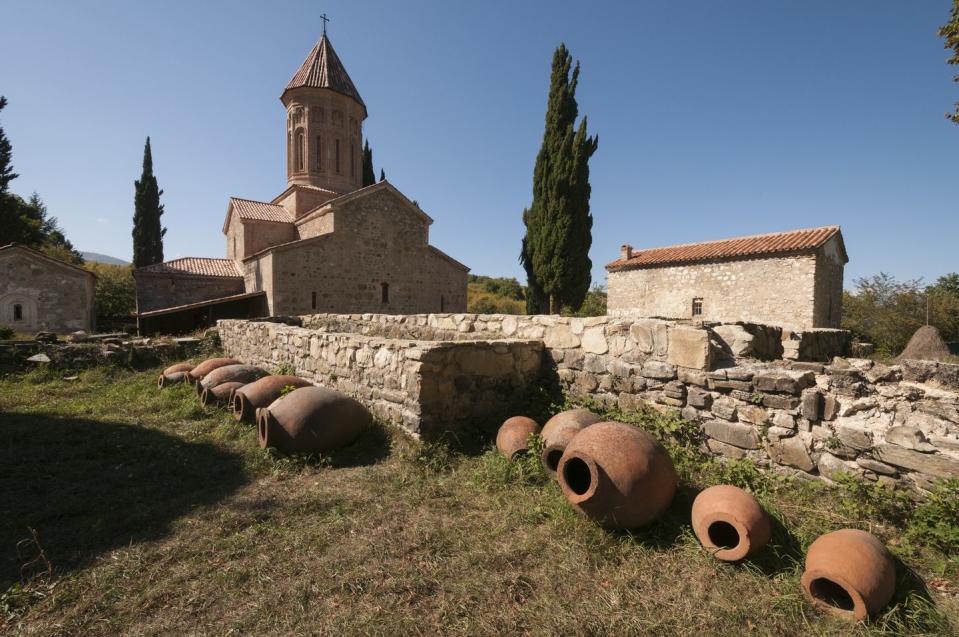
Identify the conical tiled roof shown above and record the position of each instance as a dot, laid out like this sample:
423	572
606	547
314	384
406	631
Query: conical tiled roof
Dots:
323	69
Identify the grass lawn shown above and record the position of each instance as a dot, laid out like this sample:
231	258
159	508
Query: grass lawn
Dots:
153	516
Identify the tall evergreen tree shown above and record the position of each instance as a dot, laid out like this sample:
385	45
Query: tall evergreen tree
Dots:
147	230
555	250
950	32
382	175
369	176
6	157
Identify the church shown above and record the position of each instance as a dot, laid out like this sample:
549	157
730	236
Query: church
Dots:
324	244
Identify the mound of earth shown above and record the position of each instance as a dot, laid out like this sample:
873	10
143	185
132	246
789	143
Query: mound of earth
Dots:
926	345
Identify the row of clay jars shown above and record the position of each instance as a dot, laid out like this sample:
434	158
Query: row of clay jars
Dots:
222	394
311	419
201	370
238	373
513	434
173	375
262	393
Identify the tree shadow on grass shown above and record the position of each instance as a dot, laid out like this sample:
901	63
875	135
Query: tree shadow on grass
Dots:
87	486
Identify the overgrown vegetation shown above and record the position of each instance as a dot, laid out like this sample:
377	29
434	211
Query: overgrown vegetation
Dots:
495	295
887	312
115	292
133	511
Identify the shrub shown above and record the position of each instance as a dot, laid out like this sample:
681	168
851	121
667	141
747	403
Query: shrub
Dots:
935	521
6	332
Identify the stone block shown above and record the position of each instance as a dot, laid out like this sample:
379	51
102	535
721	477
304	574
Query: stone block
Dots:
691	377
560	337
688	347
752	414
878	467
735	340
721	448
725	408
779	401
651	336
721	385
785	381
698	398
811	405
784	421
736	434
854	437
909	438
830	467
594	340
658	370
830	408
690	414
933	464
791	452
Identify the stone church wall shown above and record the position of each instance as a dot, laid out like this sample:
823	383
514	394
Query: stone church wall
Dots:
159	291
51	297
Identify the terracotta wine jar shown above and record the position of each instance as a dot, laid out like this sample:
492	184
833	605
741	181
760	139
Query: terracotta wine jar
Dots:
230	374
311	419
730	523
219	395
558	431
513	434
261	393
849	573
617	474
208	366
173	374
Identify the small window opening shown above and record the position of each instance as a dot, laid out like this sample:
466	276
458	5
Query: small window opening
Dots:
337	152
299	151
319	153
313	301
697	307
385	292
17	312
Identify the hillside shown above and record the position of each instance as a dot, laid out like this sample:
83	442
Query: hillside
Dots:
96	257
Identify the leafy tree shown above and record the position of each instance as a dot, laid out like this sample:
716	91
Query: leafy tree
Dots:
555	250
115	291
593	305
382	175
147	231
6	157
950	33
369	176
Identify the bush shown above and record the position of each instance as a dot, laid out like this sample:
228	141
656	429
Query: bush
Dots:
115	290
6	332
935	521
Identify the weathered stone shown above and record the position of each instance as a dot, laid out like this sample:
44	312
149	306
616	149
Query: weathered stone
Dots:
816	368
933	464
779	401
672	402
39	358
846	386
811	406
883	374
775	433
595	364
752	414
791	452
786	381
688	347
675	389
658	370
690	413
742	436
855	438
651	336
830	408
724	408
730	384
852	407
940	409
735	340
560	337
830	466
909	438
739	373
876	466
721	448
784	420
698	398
691	377
586	382
594	340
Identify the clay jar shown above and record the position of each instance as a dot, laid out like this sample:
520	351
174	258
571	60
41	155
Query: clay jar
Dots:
207	366
559	430
730	523
261	393
173	375
513	434
617	474
230	374
219	395
311	419
849	573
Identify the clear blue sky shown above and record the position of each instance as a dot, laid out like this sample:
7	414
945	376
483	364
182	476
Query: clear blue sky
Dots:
715	119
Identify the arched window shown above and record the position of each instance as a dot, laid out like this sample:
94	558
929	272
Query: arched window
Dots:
385	292
299	151
17	312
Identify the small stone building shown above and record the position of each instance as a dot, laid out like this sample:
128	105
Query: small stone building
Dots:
792	279
325	244
38	292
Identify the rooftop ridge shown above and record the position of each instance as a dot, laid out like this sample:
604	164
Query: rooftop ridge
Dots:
322	68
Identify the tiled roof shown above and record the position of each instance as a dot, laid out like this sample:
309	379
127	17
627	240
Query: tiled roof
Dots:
37	253
757	245
323	69
195	266
260	211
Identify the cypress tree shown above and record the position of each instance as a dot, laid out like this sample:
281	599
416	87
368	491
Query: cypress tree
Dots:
555	250
950	33
6	157
369	176
147	230
382	175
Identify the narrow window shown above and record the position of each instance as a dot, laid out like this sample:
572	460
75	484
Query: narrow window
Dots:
319	152
385	292
313	301
697	307
299	150
18	311
352	160
337	164
234	246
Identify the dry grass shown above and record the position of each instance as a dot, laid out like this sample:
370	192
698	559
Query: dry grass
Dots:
161	518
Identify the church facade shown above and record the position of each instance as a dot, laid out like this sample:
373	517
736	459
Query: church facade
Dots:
324	244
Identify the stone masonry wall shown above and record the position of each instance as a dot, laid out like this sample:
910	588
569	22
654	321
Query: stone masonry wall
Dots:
51	296
426	387
158	291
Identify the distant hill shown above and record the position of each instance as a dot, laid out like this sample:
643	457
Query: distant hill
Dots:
96	257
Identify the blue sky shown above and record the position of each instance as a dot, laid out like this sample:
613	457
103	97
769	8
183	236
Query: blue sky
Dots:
715	119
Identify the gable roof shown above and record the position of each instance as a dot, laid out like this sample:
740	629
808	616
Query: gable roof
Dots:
36	253
194	266
332	204
776	243
322	68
